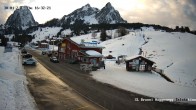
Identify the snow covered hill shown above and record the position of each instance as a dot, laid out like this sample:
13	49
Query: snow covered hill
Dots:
42	33
173	52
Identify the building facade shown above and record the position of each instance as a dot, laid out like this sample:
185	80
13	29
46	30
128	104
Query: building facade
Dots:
139	63
79	52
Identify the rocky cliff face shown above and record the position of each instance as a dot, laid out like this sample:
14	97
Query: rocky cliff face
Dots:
109	15
21	19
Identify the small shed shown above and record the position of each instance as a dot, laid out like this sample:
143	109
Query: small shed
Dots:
139	63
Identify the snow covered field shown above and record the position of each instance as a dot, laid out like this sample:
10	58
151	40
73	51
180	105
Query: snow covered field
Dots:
173	52
42	33
14	94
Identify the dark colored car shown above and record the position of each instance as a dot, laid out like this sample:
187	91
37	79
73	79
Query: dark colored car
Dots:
54	59
43	53
24	51
27	56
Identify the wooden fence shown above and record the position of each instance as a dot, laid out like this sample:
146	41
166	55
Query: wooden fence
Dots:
161	72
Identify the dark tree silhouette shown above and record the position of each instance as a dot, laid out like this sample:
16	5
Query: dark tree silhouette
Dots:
103	35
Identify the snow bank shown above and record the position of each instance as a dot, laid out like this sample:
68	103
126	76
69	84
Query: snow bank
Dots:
14	94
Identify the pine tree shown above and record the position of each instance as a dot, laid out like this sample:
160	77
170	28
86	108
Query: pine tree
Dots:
182	29
187	29
4	41
103	35
177	28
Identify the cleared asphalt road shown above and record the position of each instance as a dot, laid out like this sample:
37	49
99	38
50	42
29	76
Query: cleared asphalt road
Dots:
50	93
103	94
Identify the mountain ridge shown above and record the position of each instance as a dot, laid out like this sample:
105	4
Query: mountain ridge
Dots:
91	15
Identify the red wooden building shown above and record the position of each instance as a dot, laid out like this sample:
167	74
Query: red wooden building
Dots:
84	52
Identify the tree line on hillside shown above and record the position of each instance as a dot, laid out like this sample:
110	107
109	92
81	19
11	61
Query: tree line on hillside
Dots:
121	31
79	28
3	40
22	39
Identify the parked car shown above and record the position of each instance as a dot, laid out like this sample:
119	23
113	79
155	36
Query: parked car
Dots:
44	51
49	54
110	57
23	51
29	61
54	59
27	56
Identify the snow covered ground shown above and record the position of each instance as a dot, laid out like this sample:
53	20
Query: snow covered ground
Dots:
173	52
148	84
42	33
14	94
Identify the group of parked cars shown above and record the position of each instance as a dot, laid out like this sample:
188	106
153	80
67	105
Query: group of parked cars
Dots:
53	58
27	58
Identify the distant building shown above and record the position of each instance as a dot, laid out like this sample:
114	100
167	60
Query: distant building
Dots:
8	48
85	52
43	45
138	63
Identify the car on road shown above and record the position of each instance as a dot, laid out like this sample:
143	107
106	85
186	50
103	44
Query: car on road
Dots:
23	51
54	59
27	55
44	51
29	61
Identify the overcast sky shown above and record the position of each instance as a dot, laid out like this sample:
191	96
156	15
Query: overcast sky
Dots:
169	13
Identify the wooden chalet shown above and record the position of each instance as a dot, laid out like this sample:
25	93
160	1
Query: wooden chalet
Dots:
139	63
74	51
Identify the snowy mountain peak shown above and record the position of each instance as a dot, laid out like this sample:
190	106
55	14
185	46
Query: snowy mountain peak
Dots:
22	18
24	7
109	15
109	5
82	15
87	5
90	15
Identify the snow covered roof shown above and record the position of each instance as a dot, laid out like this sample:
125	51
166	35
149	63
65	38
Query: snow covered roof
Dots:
87	42
44	43
93	53
137	56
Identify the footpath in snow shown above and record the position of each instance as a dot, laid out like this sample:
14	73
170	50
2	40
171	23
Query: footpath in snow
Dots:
14	94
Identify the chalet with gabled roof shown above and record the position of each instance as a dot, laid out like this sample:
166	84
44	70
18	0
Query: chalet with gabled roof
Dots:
74	51
138	63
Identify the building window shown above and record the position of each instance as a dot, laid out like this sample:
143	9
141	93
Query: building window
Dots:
142	67
133	67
